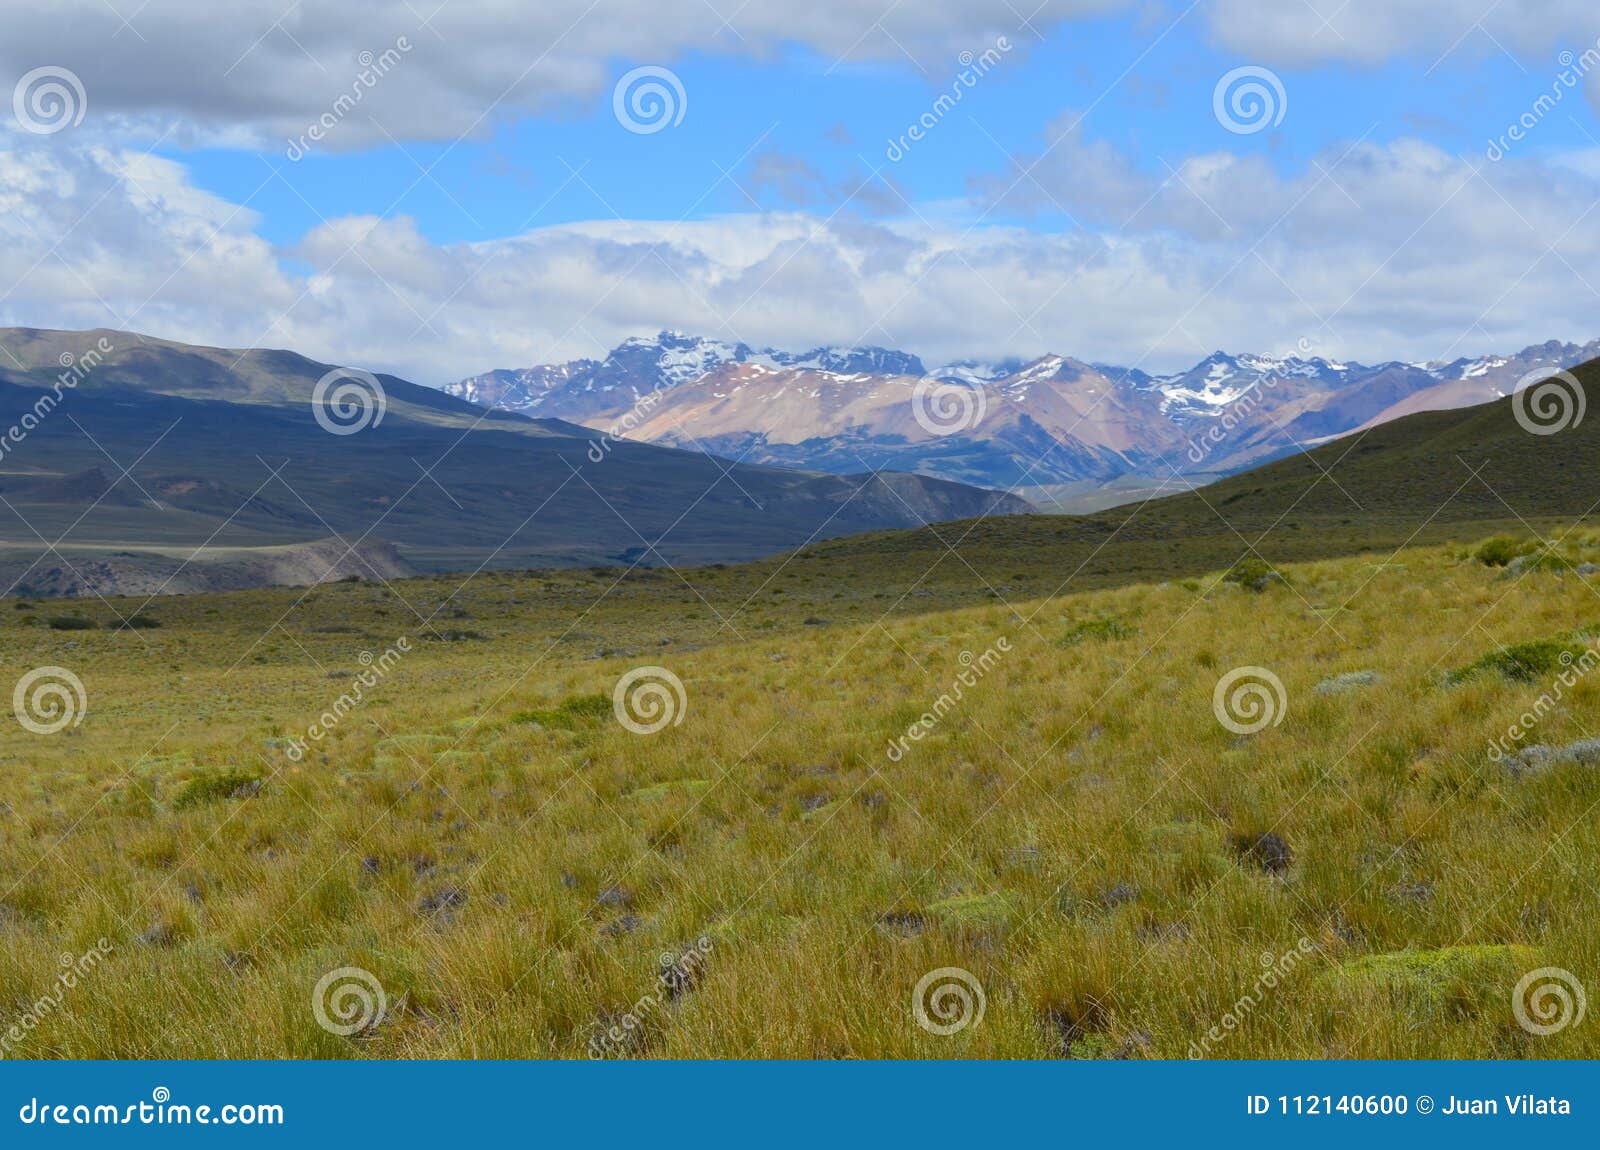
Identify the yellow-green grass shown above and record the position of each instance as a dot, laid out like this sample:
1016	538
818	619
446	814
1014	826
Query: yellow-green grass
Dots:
510	863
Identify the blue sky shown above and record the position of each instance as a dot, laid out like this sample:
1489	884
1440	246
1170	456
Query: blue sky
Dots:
483	206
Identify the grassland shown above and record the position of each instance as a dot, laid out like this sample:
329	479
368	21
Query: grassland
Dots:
1079	833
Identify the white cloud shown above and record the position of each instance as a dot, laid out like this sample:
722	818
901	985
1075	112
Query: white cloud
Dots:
1371	31
1405	251
263	71
254	72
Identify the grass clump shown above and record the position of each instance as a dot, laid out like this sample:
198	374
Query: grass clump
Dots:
687	787
572	712
1095	629
1347	682
1463	976
213	787
973	910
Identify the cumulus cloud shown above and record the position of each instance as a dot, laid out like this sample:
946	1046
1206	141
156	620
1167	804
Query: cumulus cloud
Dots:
262	72
1371	31
1369	252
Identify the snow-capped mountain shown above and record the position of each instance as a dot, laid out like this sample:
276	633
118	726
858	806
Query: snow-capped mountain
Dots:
582	389
971	371
846	361
1049	421
522	390
1222	379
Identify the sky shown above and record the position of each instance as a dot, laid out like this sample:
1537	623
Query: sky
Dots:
439	189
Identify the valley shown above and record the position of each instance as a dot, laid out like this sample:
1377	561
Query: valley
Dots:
1001	745
231	450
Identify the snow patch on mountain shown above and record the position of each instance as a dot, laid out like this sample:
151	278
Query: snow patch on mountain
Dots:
826	406
976	372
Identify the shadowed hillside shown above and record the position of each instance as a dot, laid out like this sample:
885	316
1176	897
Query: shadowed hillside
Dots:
225	448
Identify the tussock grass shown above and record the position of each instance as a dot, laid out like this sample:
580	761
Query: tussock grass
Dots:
1079	832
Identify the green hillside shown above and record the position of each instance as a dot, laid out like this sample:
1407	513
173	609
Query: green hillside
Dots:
1430	477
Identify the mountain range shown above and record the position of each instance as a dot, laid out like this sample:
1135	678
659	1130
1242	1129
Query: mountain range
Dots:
1453	476
169	466
1049	424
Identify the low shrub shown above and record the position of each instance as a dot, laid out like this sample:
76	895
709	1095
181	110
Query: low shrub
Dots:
1502	549
213	787
569	713
1254	574
1526	662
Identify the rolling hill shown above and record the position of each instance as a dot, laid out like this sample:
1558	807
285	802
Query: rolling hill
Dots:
1427	477
224	449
